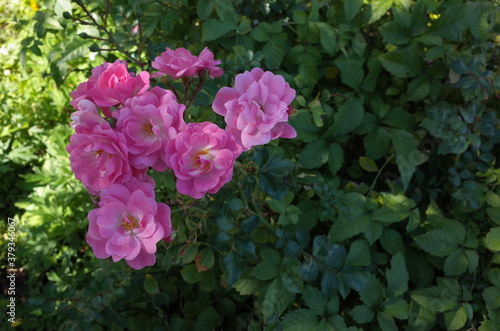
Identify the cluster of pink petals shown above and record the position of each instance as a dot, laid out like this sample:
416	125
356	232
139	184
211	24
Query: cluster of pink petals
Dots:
181	63
123	128
98	154
202	157
128	224
256	109
148	122
111	84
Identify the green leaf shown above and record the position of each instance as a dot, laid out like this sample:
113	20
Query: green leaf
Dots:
418	89
268	268
492	240
348	118
314	299
351	9
300	320
275	300
397	276
379	8
437	242
204	8
347	226
359	254
456	19
351	71
397	308
292	281
190	274
328	38
395	33
456	263
335	158
151	285
456	318
274	50
332	323
213	29
247	286
262	32
362	314
434	299
386	322
401	63
234	267
314	155
407	154
377	143
367	164
205	259
226	12
371	294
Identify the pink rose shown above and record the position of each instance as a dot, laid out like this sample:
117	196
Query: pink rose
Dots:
148	122
87	115
111	84
181	63
256	109
99	156
202	157
128	224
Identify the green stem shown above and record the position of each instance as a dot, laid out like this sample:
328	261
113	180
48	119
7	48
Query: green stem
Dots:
380	172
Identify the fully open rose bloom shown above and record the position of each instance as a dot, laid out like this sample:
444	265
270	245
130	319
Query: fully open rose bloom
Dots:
111	84
98	154
202	157
181	63
148	122
128	224
256	109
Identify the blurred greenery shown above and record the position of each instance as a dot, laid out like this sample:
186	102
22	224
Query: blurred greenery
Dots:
383	214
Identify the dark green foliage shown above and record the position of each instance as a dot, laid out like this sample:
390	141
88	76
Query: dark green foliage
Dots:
384	212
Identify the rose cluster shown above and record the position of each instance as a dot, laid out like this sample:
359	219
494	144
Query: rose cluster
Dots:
123	127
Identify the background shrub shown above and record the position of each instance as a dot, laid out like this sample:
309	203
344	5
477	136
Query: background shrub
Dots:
384	212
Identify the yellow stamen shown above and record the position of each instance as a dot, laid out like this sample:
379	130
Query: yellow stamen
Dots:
148	128
129	223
